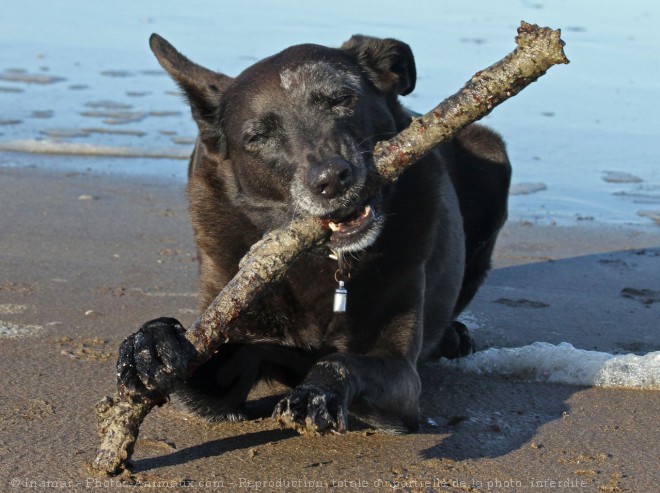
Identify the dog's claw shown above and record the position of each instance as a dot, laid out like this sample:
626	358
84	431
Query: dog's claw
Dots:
312	411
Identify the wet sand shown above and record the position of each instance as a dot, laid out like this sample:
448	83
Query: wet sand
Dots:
86	259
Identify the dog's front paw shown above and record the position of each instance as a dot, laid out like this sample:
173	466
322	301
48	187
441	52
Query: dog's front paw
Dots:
312	411
151	360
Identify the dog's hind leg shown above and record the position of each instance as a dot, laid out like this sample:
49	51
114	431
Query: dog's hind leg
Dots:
218	390
481	174
455	343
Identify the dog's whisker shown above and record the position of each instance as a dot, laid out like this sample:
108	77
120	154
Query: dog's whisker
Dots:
377	137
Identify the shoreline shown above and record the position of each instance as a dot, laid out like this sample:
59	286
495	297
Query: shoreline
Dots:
535	205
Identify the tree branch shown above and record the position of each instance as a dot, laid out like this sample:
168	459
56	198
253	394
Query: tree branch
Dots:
120	416
538	50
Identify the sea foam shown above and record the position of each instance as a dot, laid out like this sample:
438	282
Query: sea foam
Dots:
565	364
66	148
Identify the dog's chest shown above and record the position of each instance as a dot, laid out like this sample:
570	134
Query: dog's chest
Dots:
299	309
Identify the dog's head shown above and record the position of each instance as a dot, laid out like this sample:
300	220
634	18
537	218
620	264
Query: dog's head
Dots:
293	134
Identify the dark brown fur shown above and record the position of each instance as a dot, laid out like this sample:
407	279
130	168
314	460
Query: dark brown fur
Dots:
292	135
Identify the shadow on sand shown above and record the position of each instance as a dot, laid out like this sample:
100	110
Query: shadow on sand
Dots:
584	300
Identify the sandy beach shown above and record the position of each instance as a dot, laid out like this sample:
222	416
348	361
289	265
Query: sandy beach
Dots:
88	254
86	259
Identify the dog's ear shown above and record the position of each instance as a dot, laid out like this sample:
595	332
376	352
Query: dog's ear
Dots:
202	87
389	63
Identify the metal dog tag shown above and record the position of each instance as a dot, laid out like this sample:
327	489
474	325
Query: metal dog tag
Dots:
340	298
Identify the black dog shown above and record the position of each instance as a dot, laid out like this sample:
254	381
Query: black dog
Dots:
292	136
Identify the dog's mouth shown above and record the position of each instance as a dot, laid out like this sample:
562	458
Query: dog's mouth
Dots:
353	223
355	230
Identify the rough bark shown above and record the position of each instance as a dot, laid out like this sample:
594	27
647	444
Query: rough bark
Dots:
120	416
538	50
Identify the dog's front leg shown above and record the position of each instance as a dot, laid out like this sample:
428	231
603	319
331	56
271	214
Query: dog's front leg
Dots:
381	381
386	385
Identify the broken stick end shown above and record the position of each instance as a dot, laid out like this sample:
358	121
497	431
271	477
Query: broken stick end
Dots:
119	421
545	39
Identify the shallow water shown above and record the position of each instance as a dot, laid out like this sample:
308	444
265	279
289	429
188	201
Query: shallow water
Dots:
78	78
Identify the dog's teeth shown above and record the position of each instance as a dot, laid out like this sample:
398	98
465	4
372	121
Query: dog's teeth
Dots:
333	226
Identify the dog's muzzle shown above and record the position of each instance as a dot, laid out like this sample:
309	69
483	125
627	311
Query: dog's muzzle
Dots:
333	189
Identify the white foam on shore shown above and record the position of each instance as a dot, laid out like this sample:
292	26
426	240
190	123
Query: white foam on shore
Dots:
12	308
34	146
12	331
565	364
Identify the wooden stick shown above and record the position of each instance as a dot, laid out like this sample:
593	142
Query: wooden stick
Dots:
539	48
120	416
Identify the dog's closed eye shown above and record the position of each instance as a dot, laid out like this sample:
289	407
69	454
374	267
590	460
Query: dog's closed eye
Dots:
347	99
259	132
255	139
341	102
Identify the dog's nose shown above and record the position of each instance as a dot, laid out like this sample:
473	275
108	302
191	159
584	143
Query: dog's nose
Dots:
330	178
